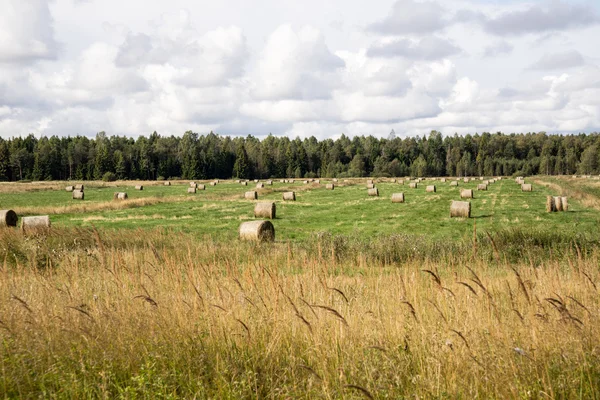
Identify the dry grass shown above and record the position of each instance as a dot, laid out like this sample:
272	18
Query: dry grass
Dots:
96	314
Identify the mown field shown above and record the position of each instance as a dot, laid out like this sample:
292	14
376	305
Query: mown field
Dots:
156	297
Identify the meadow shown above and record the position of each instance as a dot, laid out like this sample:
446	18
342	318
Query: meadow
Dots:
155	297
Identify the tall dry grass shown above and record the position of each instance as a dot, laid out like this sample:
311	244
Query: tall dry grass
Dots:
99	314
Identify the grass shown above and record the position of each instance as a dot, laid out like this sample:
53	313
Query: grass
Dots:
357	298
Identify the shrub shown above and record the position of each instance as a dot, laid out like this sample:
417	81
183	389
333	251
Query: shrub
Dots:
109	177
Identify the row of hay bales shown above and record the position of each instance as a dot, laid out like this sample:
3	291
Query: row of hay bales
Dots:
9	218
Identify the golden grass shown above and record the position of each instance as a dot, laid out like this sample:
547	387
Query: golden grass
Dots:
166	315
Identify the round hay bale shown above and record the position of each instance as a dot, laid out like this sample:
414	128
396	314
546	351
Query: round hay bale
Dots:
213	184
269	183
237	181
289	196
253	195
122	195
193	185
244	183
78	187
370	185
454	183
481	186
565	203
264	210
291	181
430	189
443	180
481	178
306	182
526	187
317	181
69	188
262	231
393	181
465	180
167	183
216	181
373	192
557	203
335	180
201	187
282	181
192	190
8	218
256	181
369	181
77	195
550	204
412	185
260	185
466	194
139	187
460	209
37	222
330	186
398	198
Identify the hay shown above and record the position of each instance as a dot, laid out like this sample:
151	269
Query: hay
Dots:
466	194
393	181
260	185
454	183
481	178
35	223
77	195
330	186
282	181
550	204
139	187
460	209
557	203
481	186
69	188
237	181
370	182
317	181
264	210
193	185
253	195
565	203
370	185
443	180
244	183
201	187
526	187
213	184
123	195
465	180
289	196
8	218
256	181
401	182
269	183
167	184
335	180
398	198
191	190
373	192
78	187
412	185
430	189
262	231
306	182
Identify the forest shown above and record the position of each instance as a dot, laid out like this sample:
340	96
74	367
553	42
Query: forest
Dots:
195	156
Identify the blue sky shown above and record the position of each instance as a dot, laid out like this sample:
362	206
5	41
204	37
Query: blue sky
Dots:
298	68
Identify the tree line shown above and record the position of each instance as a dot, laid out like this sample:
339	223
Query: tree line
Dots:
195	156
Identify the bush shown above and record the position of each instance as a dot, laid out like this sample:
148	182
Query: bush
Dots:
160	178
109	177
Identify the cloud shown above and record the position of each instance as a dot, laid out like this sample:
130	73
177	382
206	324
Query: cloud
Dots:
295	65
554	16
561	60
26	32
411	17
499	48
427	48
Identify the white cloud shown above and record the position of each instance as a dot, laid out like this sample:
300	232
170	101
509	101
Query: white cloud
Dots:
412	17
427	48
561	60
26	32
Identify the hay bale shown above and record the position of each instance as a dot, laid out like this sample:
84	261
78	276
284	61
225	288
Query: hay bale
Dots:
252	195
237	181
412	185
192	190
400	181
443	180
193	185
565	203
34	223
393	181
8	218
262	231
557	203
370	185
122	195
550	204
335	180
244	183
216	181
466	180
330	186
481	178
260	185
213	184
526	187
289	196
460	209
269	183
398	198
282	181
78	187
201	187
317	181
291	181
69	188
430	189
167	183
256	181
139	187
306	182
373	192
481	186
466	194
454	183
370	181
264	210
77	195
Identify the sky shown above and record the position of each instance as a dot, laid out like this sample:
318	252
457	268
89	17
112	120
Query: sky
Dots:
298	68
